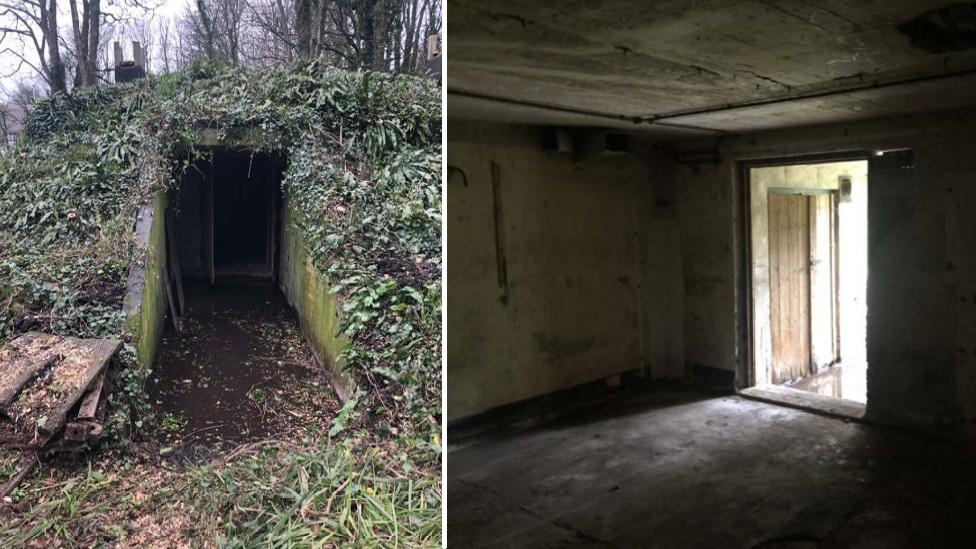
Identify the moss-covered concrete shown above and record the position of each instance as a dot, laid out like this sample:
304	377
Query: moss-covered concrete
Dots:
307	291
145	300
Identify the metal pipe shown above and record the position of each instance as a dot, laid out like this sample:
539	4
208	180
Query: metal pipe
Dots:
658	119
578	111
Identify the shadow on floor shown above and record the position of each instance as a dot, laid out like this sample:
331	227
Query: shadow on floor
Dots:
679	468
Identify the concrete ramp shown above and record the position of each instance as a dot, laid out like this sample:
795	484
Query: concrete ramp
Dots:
45	378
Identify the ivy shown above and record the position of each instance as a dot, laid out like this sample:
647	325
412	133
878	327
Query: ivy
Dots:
363	174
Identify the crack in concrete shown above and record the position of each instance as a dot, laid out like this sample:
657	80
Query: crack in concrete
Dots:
810	21
703	70
495	14
789	13
557	523
857	26
787	87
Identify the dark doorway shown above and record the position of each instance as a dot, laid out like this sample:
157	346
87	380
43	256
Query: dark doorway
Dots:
226	215
243	215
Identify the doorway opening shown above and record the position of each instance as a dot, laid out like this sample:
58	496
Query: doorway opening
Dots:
233	362
225	216
809	262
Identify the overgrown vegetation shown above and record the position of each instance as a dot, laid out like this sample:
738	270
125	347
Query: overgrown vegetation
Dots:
363	174
269	494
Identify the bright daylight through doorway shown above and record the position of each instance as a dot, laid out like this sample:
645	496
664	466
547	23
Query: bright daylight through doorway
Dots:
809	277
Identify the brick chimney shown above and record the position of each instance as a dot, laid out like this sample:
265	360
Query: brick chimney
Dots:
433	46
129	70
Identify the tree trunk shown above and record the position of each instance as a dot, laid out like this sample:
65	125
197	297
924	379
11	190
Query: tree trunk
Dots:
208	32
94	15
56	73
380	29
303	27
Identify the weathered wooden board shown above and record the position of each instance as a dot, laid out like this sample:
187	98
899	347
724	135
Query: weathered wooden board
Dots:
89	404
22	359
789	285
41	406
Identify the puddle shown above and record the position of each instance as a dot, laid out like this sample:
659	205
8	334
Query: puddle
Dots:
239	369
843	380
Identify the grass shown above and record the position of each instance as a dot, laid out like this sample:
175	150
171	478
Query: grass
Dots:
309	498
273	493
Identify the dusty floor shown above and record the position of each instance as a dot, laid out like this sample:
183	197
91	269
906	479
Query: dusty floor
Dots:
238	370
678	468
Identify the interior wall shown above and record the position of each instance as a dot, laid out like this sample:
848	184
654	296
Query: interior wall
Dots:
592	281
706	205
919	280
189	202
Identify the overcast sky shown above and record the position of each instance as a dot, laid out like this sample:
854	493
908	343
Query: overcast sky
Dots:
10	76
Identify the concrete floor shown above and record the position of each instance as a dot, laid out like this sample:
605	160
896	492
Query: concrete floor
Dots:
848	380
678	468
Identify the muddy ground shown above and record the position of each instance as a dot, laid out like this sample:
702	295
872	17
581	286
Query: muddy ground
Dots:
236	380
238	370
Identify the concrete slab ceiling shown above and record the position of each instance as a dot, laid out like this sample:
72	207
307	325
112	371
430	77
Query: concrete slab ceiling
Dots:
687	67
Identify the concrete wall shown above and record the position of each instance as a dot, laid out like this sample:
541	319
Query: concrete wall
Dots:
190	202
592	261
307	291
145	300
706	203
918	374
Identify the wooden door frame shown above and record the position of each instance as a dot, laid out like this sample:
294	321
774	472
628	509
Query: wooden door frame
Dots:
745	323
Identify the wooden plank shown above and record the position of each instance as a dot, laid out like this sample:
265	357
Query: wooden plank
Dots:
22	359
174	260
270	248
775	282
789	260
82	430
802	354
89	404
173	313
43	406
208	224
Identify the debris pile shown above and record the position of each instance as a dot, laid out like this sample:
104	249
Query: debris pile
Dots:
51	385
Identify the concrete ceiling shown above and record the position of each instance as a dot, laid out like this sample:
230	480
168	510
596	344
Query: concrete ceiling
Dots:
686	67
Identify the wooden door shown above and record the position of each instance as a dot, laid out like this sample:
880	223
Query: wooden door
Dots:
789	285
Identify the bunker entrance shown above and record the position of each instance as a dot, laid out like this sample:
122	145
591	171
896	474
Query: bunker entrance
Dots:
232	363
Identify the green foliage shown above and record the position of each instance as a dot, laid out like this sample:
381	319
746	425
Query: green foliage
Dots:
378	233
317	494
330	496
364	167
